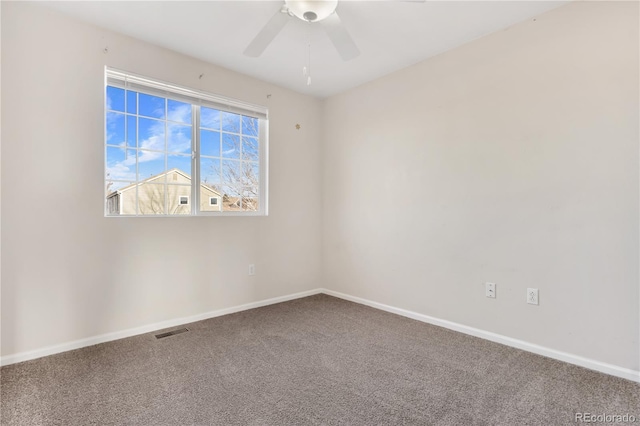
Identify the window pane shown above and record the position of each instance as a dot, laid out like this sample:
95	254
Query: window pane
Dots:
232	185
181	163
132	131
150	164
251	177
113	186
115	128
176	195
151	199
230	146
250	126
251	182
210	200
210	173
115	99
151	106
132	102
151	134
250	203
230	122
178	111
210	118
251	190
121	164
249	148
123	202
210	143
179	138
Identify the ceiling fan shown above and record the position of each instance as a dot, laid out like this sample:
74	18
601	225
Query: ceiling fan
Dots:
321	11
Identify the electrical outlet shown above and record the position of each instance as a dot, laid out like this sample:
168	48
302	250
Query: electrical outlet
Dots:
532	296
490	290
252	269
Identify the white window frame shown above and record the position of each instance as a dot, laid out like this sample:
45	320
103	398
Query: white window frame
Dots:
197	99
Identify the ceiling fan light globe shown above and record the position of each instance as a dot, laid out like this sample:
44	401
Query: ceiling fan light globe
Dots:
312	10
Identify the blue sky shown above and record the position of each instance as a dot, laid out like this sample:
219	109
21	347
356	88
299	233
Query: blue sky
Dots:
158	136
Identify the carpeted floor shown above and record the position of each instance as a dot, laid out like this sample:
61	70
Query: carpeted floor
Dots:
317	360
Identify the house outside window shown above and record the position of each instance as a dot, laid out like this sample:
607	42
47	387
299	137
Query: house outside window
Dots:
166	145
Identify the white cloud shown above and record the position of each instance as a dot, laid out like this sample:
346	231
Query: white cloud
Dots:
144	156
179	139
180	113
120	171
112	125
155	142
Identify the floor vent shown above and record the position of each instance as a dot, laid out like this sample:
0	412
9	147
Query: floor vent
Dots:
171	333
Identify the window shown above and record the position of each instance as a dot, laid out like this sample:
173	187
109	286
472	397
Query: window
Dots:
165	144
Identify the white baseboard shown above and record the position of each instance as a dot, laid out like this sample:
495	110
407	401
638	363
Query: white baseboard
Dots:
591	364
602	367
77	344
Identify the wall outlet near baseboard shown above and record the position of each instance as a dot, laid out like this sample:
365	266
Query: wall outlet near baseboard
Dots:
252	269
532	296
490	290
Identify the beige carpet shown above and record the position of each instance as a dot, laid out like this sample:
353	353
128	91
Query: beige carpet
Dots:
317	360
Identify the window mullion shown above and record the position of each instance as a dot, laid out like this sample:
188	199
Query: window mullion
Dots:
137	157
241	169
195	159
263	162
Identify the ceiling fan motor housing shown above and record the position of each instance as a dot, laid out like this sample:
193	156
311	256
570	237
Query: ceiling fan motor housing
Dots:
308	11
312	10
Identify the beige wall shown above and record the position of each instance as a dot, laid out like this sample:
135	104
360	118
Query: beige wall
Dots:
512	159
94	274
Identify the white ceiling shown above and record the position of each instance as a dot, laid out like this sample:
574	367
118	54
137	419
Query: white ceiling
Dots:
390	34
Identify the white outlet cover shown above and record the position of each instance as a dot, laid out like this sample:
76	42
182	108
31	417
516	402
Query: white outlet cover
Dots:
490	290
532	296
252	269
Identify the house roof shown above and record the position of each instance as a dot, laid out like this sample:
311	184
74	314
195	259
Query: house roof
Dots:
158	176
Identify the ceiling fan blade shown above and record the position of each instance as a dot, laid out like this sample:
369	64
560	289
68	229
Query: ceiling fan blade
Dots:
267	34
340	37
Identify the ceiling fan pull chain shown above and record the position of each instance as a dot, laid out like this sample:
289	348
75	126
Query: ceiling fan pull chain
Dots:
308	67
